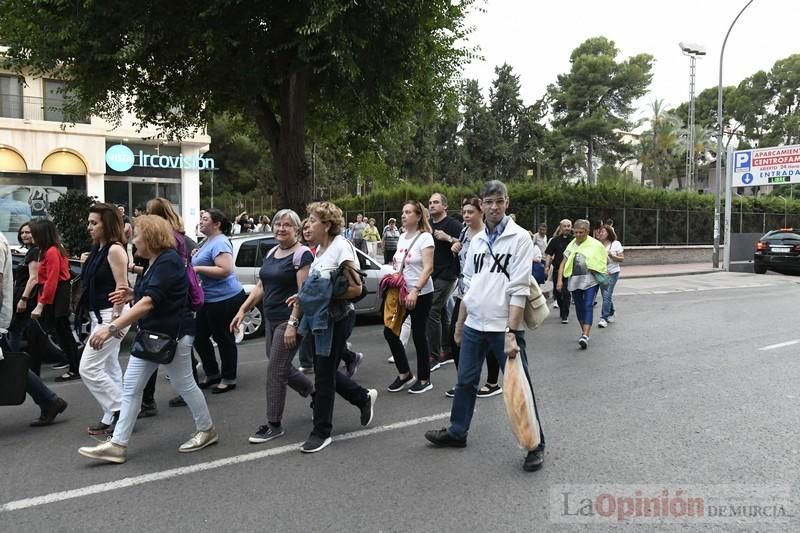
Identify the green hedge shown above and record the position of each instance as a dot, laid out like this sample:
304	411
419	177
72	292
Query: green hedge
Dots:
642	216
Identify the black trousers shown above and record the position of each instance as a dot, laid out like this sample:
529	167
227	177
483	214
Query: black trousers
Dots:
563	299
329	381
213	320
419	323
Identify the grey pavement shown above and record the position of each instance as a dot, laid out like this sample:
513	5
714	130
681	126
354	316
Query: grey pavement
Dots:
679	392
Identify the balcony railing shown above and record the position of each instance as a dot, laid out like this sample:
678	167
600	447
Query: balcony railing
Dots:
35	108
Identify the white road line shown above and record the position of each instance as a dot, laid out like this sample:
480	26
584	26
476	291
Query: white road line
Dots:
780	345
200	467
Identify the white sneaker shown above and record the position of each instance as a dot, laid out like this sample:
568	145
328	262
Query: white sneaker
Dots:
391	359
602	323
555	305
611	319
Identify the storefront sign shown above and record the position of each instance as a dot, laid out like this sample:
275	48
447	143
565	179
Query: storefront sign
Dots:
120	158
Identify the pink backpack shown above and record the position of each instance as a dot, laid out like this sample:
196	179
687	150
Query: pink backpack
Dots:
194	292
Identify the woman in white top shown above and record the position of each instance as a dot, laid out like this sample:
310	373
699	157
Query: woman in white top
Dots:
326	223
615	256
416	245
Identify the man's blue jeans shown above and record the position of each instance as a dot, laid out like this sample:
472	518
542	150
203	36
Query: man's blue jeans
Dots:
474	347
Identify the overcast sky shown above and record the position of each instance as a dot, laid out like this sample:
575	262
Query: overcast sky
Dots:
536	37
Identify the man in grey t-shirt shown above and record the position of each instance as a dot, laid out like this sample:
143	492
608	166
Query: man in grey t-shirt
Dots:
358	233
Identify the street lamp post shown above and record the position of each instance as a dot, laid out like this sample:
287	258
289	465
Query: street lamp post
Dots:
692	51
720	123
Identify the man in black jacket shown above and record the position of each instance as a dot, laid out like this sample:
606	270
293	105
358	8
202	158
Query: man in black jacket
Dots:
555	254
445	273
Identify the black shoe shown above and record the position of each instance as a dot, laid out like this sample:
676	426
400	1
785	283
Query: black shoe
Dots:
441	438
314	444
367	410
209	382
50	413
419	387
266	434
451	393
177	401
60	366
104	429
534	460
399	384
148	410
222	388
68	376
435	363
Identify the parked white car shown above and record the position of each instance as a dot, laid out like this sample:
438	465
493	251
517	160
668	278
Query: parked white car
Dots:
249	251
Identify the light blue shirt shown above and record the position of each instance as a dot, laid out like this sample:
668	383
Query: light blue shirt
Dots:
215	289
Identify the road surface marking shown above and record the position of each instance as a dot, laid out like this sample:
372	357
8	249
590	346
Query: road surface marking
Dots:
780	345
200	467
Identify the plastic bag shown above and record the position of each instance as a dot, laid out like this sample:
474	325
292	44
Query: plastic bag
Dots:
519	404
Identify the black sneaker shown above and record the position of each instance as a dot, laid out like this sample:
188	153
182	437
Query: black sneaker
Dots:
487	391
436	363
441	438
451	393
49	413
367	410
420	387
177	401
314	444
60	366
399	384
583	342
266	434
534	460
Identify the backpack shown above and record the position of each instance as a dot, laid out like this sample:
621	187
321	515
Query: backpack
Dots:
194	290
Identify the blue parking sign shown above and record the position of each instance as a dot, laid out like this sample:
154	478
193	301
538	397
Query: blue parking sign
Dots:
741	161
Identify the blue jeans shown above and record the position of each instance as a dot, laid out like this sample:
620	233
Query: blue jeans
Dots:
584	304
608	293
474	347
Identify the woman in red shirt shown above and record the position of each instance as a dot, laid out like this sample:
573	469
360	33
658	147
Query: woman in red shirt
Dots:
53	300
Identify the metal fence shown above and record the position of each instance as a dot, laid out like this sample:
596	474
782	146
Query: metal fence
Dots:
634	226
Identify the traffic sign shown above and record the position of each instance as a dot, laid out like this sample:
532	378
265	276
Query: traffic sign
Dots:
766	166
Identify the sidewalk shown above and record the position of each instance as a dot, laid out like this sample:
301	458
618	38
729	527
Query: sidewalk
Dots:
655	271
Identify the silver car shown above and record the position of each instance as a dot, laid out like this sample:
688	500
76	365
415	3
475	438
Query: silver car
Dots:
249	251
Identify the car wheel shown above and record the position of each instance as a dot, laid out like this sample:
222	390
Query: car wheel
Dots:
759	269
253	324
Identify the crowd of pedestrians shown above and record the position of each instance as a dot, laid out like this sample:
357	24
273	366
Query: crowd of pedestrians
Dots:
464	283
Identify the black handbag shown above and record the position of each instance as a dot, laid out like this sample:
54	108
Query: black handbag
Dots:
13	378
153	346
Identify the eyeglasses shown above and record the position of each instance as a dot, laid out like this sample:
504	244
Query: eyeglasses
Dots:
287	226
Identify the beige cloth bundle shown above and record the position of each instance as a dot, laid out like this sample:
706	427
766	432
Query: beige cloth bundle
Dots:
519	404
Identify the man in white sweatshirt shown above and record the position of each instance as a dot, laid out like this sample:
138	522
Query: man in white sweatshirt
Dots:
496	274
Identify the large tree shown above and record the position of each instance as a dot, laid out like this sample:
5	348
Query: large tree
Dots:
593	102
348	68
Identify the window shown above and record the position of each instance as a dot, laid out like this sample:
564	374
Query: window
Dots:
55	96
247	254
10	96
264	246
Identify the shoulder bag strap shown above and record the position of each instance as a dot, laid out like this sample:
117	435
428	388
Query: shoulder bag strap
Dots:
403	262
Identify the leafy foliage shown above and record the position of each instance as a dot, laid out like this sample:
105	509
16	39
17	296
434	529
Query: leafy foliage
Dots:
69	214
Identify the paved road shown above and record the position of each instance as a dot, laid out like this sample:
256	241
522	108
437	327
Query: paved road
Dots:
693	386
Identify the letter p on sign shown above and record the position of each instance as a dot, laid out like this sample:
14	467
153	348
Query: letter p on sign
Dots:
742	161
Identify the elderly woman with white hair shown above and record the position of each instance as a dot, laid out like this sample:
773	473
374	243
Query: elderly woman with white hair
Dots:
585	262
282	273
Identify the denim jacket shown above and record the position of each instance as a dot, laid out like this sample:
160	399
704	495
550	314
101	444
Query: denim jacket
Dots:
320	312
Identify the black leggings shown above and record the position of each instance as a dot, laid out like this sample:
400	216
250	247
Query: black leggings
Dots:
419	322
492	366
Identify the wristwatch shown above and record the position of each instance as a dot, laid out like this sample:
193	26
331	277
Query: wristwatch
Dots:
293	322
509	330
112	328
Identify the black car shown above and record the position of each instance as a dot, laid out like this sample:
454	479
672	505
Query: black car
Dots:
779	251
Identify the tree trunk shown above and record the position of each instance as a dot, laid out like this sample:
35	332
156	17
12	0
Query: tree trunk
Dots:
589	166
287	138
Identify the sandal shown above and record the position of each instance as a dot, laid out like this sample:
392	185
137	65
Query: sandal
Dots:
68	376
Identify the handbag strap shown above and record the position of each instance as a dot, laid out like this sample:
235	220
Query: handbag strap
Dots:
403	262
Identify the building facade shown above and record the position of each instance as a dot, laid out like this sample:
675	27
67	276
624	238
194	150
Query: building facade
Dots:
43	154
